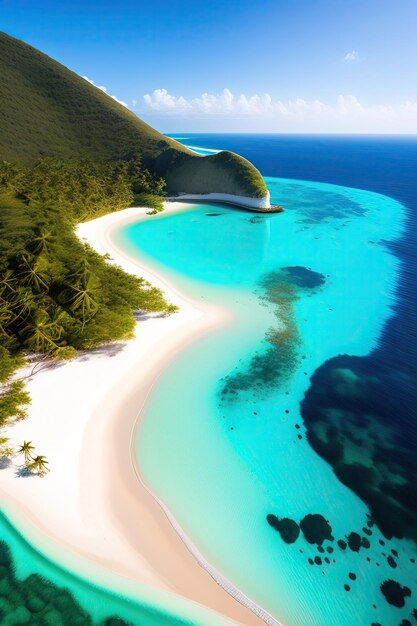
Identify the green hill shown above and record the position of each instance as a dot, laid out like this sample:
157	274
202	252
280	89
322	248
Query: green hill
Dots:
48	110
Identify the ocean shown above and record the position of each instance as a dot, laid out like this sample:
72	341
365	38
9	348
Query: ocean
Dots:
285	443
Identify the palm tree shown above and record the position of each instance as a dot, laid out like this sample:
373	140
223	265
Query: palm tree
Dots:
41	244
33	272
38	464
7	316
11	175
82	296
23	302
26	449
81	272
5	449
7	282
43	332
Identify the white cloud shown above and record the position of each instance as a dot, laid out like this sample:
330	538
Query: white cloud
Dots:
161	100
102	88
353	55
221	104
262	112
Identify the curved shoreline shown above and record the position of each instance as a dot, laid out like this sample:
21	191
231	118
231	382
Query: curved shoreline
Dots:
136	544
156	279
216	575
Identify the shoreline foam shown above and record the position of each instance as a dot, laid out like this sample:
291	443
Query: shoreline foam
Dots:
262	204
146	545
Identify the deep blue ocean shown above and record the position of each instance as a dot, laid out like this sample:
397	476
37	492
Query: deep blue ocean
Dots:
321	257
359	408
384	164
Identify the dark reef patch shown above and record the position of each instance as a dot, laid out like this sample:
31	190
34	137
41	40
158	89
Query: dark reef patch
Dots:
391	562
256	219
279	355
354	421
35	600
287	528
354	541
321	206
316	528
395	593
303	277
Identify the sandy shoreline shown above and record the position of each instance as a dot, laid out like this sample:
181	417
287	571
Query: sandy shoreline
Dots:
91	510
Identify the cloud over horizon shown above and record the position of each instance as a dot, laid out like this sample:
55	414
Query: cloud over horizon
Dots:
224	103
346	113
103	88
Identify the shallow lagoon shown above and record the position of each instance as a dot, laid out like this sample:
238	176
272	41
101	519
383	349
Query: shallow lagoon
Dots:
223	442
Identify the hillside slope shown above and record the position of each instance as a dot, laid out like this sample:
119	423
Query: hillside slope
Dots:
48	110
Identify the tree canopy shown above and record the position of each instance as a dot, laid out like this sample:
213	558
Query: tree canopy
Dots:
57	295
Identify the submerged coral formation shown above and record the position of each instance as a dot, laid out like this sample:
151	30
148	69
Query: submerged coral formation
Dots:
352	422
287	528
279	356
35	600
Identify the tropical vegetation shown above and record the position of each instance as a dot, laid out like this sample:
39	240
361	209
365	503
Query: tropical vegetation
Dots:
29	598
47	110
57	295
68	153
26	449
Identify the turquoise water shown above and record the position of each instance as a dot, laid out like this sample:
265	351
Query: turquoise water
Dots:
64	598
222	442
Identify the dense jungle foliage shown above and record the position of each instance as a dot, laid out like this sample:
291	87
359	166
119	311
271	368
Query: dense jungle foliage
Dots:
57	295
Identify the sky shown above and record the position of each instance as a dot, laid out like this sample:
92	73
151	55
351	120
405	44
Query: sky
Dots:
289	66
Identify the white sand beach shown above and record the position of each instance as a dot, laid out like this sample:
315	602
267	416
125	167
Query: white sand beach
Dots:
91	512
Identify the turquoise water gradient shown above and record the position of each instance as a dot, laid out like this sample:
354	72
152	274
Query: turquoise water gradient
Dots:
137	604
222	466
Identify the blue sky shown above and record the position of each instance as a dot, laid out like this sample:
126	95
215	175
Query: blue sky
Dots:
255	65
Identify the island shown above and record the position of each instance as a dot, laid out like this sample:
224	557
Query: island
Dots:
72	160
69	118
